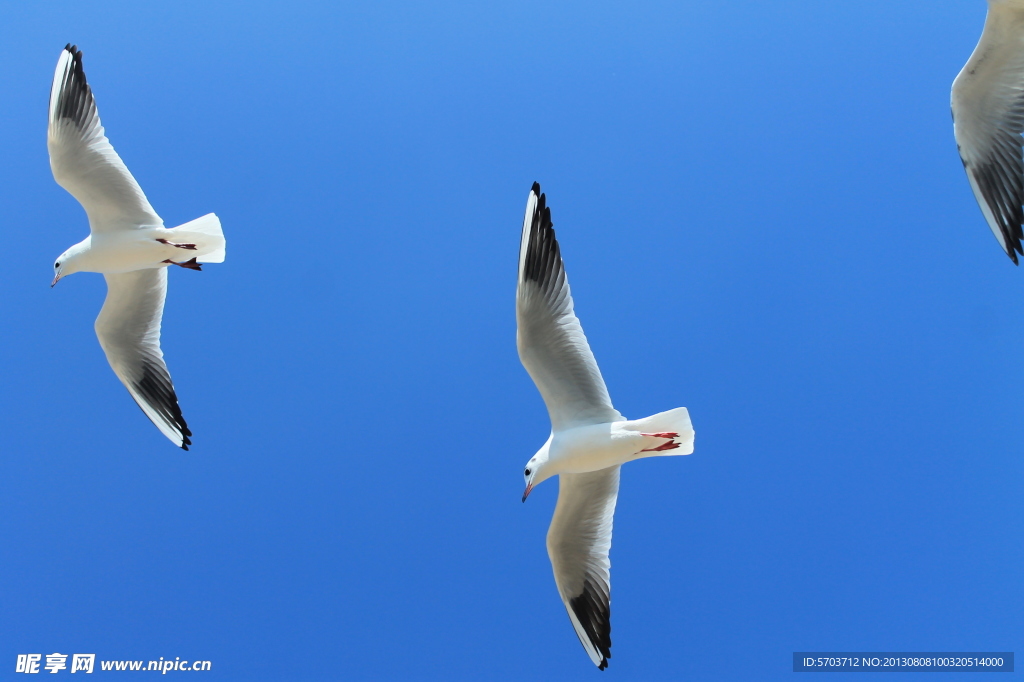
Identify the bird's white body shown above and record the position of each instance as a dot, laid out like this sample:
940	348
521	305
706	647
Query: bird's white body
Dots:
120	251
593	447
145	246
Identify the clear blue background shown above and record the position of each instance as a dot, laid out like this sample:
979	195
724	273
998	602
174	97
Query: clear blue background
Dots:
763	218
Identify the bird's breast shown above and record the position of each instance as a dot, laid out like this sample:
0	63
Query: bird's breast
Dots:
126	252
593	447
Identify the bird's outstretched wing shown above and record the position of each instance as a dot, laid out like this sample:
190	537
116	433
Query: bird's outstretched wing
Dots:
81	158
128	328
551	342
579	539
988	117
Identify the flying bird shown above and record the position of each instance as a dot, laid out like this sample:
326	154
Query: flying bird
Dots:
589	439
127	242
988	117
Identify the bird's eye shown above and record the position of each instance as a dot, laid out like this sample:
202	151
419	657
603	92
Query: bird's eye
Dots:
527	472
56	265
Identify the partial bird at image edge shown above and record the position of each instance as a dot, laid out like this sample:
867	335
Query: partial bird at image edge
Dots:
987	103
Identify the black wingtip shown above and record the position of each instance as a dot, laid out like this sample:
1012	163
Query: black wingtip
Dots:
76	54
536	188
1012	252
543	256
593	611
997	184
74	100
186	432
156	389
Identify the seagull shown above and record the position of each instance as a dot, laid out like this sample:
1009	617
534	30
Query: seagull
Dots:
127	242
988	117
589	439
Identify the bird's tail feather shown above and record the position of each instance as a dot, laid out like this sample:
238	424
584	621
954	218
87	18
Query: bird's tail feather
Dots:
673	422
206	234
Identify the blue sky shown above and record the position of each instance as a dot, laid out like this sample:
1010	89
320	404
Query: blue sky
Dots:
763	217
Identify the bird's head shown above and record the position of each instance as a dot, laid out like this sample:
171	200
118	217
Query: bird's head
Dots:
66	263
537	469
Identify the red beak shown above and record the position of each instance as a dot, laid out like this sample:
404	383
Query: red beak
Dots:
526	494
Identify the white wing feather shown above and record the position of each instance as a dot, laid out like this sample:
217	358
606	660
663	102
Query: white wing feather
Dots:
81	157
579	540
128	328
551	342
